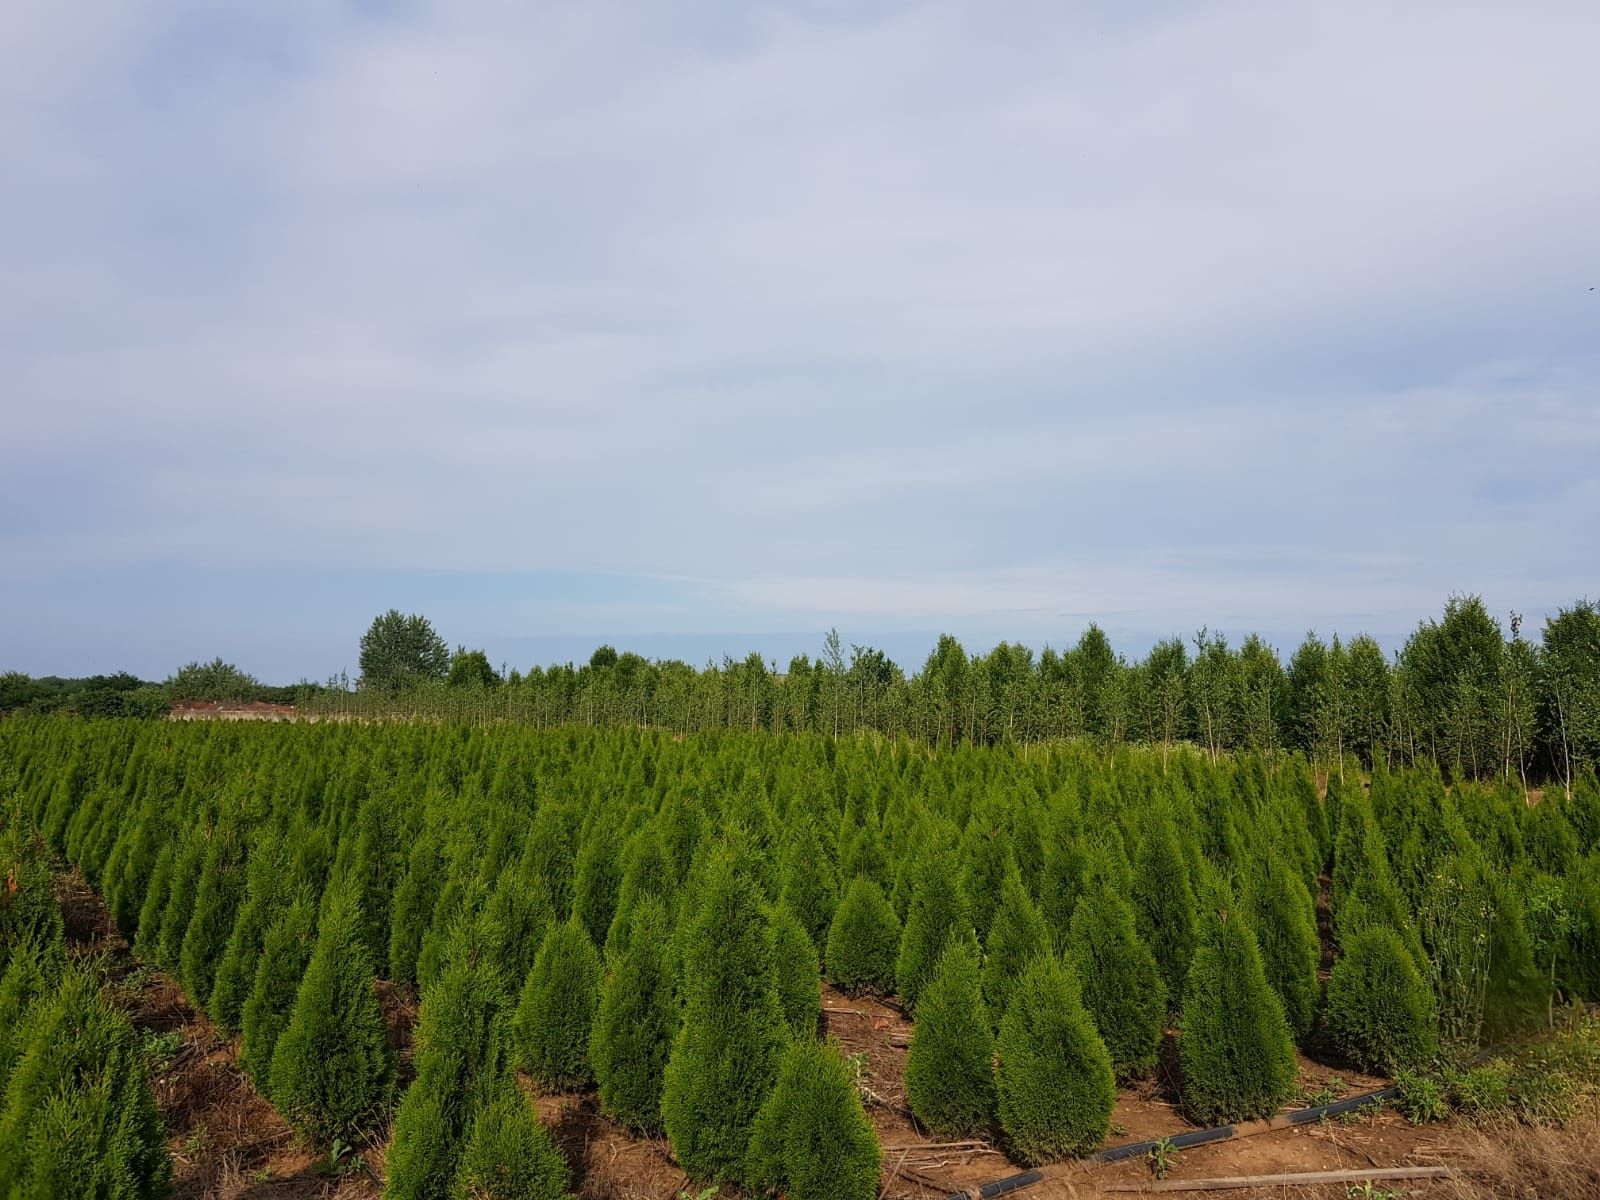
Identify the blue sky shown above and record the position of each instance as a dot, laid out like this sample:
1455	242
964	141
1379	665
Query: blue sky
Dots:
707	326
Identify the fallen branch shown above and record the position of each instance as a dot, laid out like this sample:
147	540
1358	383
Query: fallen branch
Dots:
1293	1179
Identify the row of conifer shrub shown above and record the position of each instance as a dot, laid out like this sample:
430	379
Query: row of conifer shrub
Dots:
650	914
77	1117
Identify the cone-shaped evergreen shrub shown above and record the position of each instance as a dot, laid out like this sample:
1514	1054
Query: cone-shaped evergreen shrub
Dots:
555	1016
863	940
266	881
812	1140
598	877
1380	1009
1121	985
154	906
332	1069
808	881
1285	923
636	1021
509	1155
285	951
514	924
456	1045
28	909
180	902
216	907
950	1067
77	1118
1017	936
1055	1085
32	970
411	908
796	972
725	1056
937	913
1164	904
646	871
1236	1048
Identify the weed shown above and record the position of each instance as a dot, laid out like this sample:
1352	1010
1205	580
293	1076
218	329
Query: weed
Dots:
1161	1157
1422	1097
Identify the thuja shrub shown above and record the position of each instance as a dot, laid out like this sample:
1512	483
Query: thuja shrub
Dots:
77	1117
863	940
1236	1049
1285	922
216	907
456	1059
285	951
808	880
1121	984
32	969
725	1055
1380	1010
509	1155
937	913
812	1139
796	972
1164	903
28	909
1017	935
950	1066
332	1069
555	1016
636	1021
1056	1087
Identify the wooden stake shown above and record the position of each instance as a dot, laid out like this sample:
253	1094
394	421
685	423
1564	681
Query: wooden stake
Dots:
1297	1179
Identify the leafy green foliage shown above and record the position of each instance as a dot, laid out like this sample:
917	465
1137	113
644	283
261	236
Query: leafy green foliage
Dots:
1017	936
1121	984
509	1155
636	1022
864	940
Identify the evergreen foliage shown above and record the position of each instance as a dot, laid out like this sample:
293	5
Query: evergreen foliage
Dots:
1017	935
1284	918
1121	984
863	940
937	913
725	1055
812	1139
285	951
1055	1084
1164	903
1380	1009
509	1155
1236	1049
332	1068
555	1015
796	972
950	1066
636	1021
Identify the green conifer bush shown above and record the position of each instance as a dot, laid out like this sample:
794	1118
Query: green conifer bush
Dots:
809	881
216	908
1380	1010
1121	984
28	909
936	914
1164	903
1284	918
179	909
863	940
1236	1048
812	1139
636	1022
555	1016
725	1055
509	1155
1017	935
950	1066
285	950
332	1068
796	972
1056	1087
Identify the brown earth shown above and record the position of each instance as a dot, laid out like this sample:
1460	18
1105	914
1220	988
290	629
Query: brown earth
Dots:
229	1144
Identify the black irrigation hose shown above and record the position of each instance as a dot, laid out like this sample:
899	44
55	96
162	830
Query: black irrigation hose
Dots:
1183	1141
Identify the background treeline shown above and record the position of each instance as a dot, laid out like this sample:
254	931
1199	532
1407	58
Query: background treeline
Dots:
1463	693
126	695
650	915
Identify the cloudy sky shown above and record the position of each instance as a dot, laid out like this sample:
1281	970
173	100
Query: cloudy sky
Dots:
708	325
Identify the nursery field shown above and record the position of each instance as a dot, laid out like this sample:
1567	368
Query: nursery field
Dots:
492	961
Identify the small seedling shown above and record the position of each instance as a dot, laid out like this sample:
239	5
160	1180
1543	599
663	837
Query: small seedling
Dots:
1371	1191
342	1159
1332	1088
1161	1157
705	1194
1118	1129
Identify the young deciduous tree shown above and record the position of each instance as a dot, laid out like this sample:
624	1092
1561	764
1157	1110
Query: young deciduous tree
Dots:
398	651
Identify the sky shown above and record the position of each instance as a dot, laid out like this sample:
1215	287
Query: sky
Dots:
699	327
